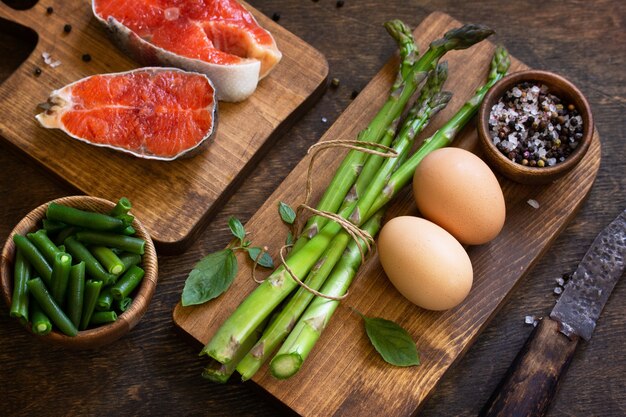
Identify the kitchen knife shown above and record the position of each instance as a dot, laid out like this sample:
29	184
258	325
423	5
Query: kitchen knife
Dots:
531	381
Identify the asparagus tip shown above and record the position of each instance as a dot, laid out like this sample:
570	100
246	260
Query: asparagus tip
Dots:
501	59
463	37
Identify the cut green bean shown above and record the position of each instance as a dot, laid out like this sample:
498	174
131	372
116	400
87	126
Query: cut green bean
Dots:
127	219
92	291
129	231
87	219
53	226
37	288
21	275
127	283
43	243
76	293
123	206
105	300
60	276
65	233
123	304
41	324
128	243
92	266
103	317
108	259
129	259
34	257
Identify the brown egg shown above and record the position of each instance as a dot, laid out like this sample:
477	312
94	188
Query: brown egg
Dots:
456	189
425	263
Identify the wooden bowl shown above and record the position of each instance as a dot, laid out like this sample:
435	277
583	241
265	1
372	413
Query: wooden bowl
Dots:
105	334
558	86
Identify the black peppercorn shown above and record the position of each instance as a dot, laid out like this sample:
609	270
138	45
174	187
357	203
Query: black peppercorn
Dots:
37	71
354	94
67	28
86	57
276	17
340	3
49	10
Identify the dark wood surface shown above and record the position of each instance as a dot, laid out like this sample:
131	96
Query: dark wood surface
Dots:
153	371
356	383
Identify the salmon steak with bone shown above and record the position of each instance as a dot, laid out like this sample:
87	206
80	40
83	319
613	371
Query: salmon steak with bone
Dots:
219	38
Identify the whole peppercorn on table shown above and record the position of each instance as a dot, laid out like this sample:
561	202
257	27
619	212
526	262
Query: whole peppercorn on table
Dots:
152	371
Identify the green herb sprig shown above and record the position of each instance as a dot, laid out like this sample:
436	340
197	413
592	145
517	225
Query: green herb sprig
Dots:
391	341
215	272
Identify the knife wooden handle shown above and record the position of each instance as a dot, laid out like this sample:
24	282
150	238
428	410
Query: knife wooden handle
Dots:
531	381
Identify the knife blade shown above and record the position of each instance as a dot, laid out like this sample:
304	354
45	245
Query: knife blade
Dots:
532	379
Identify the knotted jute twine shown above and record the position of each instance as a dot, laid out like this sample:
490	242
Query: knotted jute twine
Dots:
360	236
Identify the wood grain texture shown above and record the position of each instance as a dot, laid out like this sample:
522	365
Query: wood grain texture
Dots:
344	375
532	380
182	195
153	371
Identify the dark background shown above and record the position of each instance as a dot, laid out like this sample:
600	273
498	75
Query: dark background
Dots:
153	371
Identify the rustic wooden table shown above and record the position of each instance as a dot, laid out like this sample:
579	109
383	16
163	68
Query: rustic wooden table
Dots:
152	371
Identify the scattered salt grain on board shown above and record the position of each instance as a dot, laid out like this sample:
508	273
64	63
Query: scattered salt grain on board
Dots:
533	203
47	58
531	320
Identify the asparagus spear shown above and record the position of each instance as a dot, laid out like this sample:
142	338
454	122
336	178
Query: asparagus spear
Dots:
219	372
409	78
381	128
500	64
307	331
429	102
226	343
309	328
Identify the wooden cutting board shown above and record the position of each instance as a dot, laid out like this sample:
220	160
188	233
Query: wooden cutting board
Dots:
344	375
174	200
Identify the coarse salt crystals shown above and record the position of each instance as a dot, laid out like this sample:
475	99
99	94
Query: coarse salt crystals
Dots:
533	127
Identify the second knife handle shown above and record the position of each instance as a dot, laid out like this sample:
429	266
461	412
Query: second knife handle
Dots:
531	381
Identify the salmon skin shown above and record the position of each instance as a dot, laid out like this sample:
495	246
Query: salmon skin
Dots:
219	38
153	113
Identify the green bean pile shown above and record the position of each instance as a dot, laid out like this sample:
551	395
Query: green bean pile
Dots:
78	271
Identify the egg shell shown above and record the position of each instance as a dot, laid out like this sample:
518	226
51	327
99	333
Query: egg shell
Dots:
457	190
425	263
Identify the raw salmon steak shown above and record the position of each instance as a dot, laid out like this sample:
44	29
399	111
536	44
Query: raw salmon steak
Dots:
153	113
219	38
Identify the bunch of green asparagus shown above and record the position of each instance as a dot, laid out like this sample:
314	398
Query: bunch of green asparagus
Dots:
325	256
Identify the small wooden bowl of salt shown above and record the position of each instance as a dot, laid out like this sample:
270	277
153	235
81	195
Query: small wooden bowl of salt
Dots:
534	126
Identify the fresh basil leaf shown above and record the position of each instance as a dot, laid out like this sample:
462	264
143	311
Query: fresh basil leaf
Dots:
289	239
286	213
237	228
393	343
210	277
265	260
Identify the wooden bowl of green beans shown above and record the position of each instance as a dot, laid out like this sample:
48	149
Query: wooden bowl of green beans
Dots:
79	271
